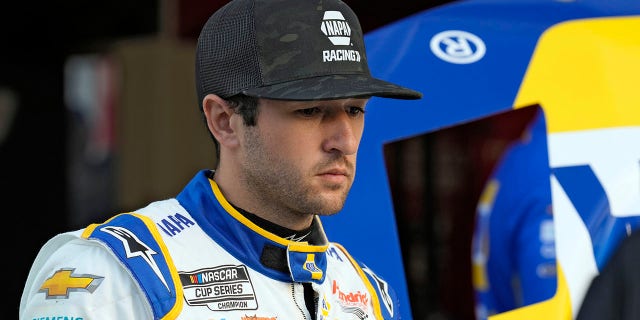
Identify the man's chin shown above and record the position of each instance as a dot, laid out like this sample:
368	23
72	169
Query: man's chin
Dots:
327	214
331	206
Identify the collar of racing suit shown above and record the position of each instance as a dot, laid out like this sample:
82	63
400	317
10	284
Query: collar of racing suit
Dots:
266	252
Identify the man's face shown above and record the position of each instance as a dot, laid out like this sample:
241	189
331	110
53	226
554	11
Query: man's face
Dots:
301	155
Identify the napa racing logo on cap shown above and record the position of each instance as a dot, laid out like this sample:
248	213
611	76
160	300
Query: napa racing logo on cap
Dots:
459	47
337	29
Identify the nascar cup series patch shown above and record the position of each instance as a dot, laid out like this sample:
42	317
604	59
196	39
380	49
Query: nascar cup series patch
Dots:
221	288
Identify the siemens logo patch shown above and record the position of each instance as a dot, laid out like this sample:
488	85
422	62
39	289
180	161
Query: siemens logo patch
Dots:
59	318
219	288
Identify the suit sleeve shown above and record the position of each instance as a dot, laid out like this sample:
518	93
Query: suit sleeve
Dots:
79	279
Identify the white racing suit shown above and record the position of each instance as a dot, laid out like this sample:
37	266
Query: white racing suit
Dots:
196	257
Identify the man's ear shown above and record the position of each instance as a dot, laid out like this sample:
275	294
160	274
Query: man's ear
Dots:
219	115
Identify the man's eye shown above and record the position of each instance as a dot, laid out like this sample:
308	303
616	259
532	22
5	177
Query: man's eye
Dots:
308	112
356	110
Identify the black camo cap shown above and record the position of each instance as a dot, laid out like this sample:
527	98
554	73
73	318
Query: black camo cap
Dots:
287	50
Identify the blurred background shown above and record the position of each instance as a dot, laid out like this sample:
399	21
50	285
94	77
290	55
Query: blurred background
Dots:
98	113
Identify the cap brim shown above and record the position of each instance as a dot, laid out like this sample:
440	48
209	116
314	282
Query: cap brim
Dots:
333	87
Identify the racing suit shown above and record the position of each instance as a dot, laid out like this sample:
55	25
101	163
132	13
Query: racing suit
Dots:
196	257
513	248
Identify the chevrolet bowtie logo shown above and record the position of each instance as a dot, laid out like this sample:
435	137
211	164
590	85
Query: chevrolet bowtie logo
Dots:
64	281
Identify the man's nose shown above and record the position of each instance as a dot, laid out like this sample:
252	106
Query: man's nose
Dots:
343	134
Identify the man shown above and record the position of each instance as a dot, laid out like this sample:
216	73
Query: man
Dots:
513	248
282	85
614	292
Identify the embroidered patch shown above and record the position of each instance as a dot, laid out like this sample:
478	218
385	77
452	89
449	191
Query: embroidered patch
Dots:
64	281
219	288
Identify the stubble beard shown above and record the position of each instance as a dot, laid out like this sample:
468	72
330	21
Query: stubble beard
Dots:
278	183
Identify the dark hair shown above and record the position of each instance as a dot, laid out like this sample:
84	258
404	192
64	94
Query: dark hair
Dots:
243	105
